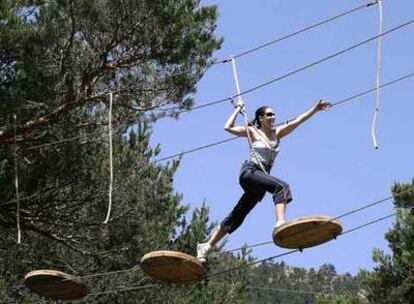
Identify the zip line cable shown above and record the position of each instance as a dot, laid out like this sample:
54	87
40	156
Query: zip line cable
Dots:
314	63
368	224
280	39
277	40
333	104
228	139
229	270
196	149
250	264
373	89
254	49
74	138
295	250
370	205
397	80
392	82
93	275
251	287
334	218
135	268
299	69
287	36
208	104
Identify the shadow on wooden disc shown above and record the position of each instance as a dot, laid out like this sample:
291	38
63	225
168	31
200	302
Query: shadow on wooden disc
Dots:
55	284
173	267
306	232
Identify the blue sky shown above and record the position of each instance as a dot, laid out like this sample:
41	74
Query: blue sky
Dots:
329	162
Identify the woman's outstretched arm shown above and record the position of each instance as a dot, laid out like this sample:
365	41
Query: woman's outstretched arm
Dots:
292	125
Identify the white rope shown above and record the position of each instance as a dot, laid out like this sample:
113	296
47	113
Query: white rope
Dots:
111	177
246	122
236	77
246	118
377	101
16	182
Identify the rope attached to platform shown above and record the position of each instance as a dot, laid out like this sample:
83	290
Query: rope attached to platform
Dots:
111	174
16	182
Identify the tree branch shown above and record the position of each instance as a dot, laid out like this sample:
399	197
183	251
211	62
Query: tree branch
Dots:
7	136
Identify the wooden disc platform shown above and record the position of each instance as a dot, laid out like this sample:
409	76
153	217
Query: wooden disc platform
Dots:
55	284
306	232
173	267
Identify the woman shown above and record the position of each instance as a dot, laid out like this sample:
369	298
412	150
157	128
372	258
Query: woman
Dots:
254	176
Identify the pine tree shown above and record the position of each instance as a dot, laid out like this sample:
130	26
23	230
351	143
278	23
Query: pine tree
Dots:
59	61
393	277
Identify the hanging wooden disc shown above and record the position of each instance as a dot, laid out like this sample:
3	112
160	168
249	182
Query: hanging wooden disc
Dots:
173	267
55	284
306	232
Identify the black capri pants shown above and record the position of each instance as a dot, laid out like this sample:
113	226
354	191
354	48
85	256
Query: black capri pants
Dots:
255	184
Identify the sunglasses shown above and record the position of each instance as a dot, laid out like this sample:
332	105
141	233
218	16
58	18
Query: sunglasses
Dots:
270	114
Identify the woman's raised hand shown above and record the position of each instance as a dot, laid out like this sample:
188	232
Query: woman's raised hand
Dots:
240	103
322	105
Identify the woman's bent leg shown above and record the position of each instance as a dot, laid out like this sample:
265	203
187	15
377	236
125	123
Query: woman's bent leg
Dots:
279	189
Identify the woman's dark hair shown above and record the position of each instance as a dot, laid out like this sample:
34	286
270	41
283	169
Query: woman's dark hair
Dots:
259	112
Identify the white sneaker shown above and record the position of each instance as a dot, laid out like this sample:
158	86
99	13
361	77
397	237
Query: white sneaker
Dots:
202	250
279	223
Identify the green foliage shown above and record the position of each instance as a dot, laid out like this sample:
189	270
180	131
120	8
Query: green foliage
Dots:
392	280
279	283
58	56
59	60
342	298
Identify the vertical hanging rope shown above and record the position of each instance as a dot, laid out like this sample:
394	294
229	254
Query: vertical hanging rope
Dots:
111	174
377	101
236	77
246	118
16	182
